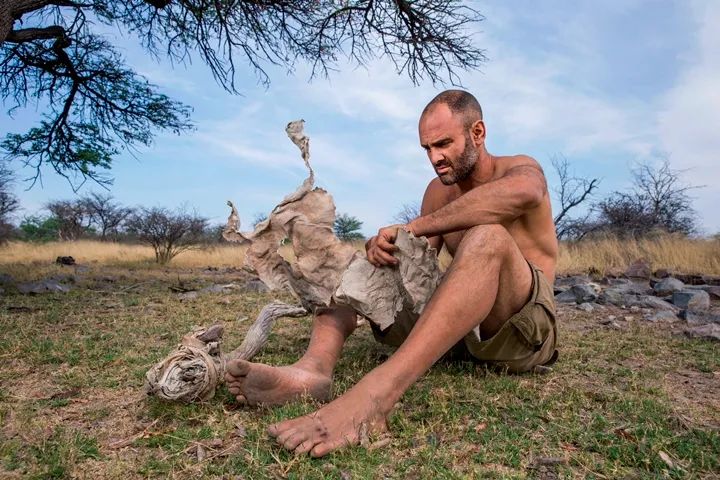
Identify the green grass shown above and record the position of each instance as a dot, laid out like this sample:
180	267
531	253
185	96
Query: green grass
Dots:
73	368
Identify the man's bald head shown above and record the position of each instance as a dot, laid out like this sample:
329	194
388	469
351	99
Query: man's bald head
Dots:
460	103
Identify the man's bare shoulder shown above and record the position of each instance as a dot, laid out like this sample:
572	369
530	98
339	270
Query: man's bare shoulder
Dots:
508	163
437	195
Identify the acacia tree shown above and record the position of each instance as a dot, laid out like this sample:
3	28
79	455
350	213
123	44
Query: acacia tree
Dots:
72	218
97	106
659	201
168	233
106	214
408	212
571	192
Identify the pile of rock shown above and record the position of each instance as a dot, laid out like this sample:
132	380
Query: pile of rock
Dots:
661	297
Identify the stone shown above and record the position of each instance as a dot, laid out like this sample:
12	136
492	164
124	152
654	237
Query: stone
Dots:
586	307
699	318
668	286
6	279
255	286
185	296
662	316
584	293
65	260
692	300
43	286
638	269
711	332
565	297
580	293
712	290
662	273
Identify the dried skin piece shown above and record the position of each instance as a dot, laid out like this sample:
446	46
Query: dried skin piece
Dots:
381	294
306	218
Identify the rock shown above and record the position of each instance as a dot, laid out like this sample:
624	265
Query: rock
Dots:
571	280
668	286
586	307
638	269
580	293
712	290
711	332
217	288
662	273
692	300
6	280
43	286
648	301
663	316
699	318
185	296
256	286
565	297
68	260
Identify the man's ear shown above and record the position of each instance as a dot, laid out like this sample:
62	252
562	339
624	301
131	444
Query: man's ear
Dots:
477	132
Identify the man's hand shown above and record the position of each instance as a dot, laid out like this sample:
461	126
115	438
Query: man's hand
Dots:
381	247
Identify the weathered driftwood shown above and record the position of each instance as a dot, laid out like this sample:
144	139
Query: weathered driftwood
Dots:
196	368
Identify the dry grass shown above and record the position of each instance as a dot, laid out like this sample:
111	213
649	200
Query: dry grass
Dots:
607	255
675	253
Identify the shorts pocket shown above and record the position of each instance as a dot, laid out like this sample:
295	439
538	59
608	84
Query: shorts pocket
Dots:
534	326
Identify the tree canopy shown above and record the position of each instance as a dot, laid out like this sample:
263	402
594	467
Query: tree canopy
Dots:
51	52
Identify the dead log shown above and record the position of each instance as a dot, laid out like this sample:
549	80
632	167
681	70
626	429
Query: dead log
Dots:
197	367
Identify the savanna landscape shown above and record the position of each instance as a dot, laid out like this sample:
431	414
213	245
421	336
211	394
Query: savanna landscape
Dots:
629	398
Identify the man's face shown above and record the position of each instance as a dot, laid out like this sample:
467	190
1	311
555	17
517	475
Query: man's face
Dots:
448	145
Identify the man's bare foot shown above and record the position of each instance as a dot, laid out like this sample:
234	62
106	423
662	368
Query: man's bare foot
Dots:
342	422
255	383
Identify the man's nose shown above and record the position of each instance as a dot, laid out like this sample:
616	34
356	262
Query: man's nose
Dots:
436	157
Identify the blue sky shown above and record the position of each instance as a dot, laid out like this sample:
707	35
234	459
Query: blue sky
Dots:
602	83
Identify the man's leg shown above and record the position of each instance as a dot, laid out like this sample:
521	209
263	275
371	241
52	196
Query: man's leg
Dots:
254	383
488	281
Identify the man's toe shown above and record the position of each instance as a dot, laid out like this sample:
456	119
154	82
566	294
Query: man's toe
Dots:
238	368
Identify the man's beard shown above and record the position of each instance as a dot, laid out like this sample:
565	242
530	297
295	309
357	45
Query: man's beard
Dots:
464	166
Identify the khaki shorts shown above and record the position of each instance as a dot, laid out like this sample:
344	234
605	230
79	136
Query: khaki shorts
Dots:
527	339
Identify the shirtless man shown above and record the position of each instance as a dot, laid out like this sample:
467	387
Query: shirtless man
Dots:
493	214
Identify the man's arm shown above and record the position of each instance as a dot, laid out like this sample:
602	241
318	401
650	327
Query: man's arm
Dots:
522	188
431	203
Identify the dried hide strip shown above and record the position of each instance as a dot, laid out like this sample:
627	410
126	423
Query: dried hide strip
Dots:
306	218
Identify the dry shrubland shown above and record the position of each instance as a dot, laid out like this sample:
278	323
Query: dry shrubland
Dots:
606	255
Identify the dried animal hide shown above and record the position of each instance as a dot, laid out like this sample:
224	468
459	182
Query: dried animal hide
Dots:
381	294
306	218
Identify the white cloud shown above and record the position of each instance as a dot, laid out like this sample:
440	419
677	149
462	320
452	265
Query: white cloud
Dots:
689	119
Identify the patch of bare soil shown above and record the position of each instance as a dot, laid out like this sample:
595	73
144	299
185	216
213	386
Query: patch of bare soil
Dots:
696	396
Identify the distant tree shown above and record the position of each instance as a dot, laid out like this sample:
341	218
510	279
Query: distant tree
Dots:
347	228
39	229
107	215
9	203
168	233
571	192
258	218
408	212
51	54
658	201
73	218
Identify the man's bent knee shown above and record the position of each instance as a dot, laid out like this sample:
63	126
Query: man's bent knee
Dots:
491	239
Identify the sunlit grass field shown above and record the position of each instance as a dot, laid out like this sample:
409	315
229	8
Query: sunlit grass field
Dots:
628	399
